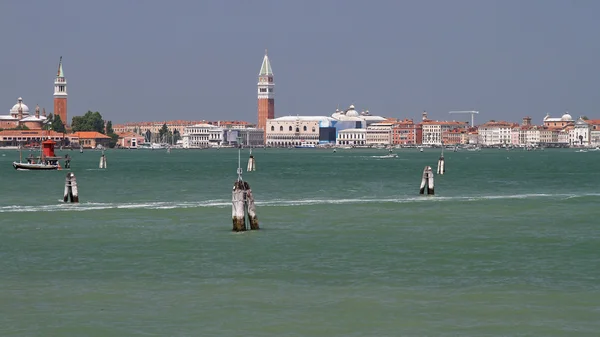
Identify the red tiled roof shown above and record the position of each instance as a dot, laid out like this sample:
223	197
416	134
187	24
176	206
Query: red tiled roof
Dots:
90	135
30	133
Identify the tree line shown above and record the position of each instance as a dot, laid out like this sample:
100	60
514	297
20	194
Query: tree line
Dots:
93	121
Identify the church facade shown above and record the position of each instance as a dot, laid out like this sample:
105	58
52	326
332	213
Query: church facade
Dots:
20	117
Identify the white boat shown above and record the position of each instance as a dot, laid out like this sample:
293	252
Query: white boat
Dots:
387	156
45	162
581	150
35	167
305	146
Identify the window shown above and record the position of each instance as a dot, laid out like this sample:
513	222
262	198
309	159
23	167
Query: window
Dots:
281	128
270	89
272	128
304	128
263	89
290	128
297	129
313	129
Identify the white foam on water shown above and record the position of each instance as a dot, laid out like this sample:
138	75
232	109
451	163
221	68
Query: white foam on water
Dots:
91	206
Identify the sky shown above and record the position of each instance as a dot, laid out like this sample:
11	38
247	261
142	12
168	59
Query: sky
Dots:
149	60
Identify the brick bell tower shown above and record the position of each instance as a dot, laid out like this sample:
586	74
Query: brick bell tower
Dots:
60	94
266	94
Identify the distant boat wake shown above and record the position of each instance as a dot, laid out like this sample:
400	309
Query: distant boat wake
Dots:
91	206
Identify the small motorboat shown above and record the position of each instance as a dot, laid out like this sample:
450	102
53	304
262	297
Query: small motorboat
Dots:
387	156
38	166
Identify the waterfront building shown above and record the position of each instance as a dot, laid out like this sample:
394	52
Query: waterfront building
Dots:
563	121
515	135
295	130
406	132
379	134
580	134
433	130
202	136
174	125
594	131
495	133
549	135
352	119
266	94
89	139
532	135
352	137
249	137
473	137
563	135
130	140
31	138
60	94
454	137
19	116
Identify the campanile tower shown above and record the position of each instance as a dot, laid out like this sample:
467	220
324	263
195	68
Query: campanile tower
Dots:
266	94
60	94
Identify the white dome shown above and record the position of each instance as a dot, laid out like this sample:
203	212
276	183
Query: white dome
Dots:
15	108
351	112
566	117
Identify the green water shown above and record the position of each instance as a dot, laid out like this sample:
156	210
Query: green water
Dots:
508	246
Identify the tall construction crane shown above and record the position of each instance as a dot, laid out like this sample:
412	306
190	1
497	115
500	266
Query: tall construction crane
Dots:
467	112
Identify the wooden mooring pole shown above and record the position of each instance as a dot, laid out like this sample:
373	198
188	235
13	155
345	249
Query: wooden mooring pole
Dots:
242	203
71	193
427	181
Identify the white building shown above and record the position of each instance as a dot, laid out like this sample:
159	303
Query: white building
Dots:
532	136
202	136
495	133
355	119
355	137
434	130
294	130
379	134
563	136
580	134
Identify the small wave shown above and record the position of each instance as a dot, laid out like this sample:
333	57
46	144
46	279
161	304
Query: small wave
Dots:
91	206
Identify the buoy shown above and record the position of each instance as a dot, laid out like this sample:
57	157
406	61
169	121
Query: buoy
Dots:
427	181
71	193
251	163
102	161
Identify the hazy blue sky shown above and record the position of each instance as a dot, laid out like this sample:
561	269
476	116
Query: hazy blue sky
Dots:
157	60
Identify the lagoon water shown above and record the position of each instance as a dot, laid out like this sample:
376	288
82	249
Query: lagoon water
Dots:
508	246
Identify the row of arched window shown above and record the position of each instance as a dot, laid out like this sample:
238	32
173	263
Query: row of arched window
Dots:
304	128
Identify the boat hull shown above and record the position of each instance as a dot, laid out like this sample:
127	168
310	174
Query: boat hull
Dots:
34	167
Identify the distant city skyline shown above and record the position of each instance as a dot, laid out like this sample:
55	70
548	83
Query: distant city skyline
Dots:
189	60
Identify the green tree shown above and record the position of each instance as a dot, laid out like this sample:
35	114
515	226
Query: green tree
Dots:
176	136
91	121
109	128
585	118
163	131
114	138
57	124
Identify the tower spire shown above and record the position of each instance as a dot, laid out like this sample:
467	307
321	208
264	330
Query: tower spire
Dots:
60	69
265	69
